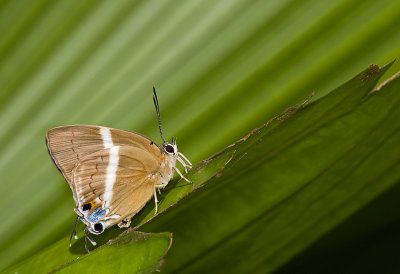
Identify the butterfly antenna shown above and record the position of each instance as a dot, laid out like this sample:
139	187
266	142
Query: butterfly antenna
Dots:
73	233
155	100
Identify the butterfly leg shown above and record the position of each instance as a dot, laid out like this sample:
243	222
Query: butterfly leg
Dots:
180	174
87	238
155	200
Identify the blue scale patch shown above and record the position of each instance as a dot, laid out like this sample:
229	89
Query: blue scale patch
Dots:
96	215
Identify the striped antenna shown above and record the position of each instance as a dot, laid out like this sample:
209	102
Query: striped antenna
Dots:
155	100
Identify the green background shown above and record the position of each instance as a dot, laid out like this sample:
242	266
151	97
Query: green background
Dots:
221	68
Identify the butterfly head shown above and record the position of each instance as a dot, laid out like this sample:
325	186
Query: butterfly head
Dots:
170	148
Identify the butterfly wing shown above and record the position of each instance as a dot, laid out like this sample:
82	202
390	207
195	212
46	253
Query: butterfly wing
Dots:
113	184
68	145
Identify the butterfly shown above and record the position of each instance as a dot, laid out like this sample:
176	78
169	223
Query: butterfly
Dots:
112	173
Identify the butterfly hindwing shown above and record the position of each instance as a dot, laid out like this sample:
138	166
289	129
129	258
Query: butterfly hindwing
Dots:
119	180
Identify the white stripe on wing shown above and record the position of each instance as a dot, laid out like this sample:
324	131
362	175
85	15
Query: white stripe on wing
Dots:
111	174
106	136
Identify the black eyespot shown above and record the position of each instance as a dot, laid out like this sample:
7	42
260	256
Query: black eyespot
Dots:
169	149
87	207
98	227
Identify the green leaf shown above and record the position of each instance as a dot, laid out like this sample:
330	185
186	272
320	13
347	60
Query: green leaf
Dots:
291	181
133	252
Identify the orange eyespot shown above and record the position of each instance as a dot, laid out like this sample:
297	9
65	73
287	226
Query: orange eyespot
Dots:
88	206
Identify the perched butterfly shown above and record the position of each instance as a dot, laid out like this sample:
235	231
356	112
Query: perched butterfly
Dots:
112	173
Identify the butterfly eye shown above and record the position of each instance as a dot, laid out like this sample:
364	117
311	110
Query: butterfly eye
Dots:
169	149
98	227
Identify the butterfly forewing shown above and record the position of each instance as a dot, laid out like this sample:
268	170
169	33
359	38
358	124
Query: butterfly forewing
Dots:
120	180
68	145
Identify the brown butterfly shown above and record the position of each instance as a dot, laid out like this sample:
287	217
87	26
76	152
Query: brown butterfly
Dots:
112	173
